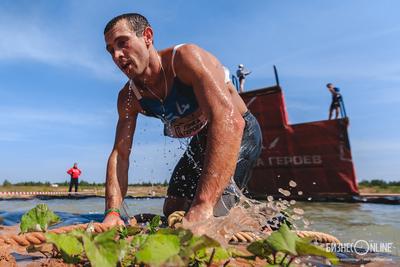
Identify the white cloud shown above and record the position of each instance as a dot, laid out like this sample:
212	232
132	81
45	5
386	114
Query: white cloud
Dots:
31	41
21	116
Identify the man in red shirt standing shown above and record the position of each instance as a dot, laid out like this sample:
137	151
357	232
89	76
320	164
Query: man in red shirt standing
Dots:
74	172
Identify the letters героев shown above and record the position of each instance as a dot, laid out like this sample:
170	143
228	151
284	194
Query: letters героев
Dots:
295	160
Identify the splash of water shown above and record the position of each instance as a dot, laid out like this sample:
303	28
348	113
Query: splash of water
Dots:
248	216
284	192
292	183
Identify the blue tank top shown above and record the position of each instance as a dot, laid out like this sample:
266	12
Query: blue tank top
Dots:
180	102
179	111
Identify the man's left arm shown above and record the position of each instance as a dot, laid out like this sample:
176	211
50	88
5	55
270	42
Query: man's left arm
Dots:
203	71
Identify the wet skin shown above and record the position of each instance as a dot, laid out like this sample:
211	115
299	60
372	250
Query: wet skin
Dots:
219	102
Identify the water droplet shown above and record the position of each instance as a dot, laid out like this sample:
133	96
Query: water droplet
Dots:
284	192
314	183
300	193
270	198
298	211
292	183
309	198
292	202
296	217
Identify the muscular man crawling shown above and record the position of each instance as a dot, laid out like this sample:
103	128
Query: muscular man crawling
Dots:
189	90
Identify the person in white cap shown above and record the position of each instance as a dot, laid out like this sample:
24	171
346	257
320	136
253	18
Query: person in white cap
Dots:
241	73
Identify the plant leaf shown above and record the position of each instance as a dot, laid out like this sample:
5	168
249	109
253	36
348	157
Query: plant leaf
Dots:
200	242
157	249
220	254
260	249
38	219
303	247
154	224
139	240
103	249
70	247
283	240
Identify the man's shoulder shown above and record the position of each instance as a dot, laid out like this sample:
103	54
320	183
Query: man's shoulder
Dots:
126	96
124	92
181	50
124	88
189	49
190	55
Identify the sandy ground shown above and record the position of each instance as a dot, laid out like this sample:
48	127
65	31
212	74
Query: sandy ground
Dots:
137	191
133	191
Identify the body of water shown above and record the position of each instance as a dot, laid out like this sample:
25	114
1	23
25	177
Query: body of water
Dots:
350	222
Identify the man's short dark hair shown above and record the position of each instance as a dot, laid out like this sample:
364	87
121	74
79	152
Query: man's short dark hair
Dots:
329	84
135	21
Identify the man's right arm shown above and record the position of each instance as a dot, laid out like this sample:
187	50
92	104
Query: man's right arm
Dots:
118	162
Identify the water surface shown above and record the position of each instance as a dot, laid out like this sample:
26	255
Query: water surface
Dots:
349	222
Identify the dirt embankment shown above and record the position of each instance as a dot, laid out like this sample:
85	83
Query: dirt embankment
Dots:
6	260
31	191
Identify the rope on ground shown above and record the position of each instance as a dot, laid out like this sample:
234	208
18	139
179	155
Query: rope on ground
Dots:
37	238
175	220
318	236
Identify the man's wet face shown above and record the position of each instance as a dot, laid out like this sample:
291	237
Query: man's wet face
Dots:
128	51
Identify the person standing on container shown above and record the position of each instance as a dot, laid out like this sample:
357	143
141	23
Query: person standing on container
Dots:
241	73
336	98
74	172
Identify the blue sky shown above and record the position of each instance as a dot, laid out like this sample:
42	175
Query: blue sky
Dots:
58	86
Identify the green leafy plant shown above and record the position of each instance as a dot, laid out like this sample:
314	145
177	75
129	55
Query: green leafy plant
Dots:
126	231
157	249
152	246
154	224
100	249
68	245
177	247
287	245
38	219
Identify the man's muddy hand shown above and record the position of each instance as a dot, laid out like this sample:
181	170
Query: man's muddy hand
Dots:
199	212
113	220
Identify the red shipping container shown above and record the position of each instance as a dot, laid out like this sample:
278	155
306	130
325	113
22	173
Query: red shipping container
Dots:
315	155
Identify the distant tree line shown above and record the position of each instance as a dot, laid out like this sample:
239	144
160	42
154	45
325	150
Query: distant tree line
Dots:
81	183
380	183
